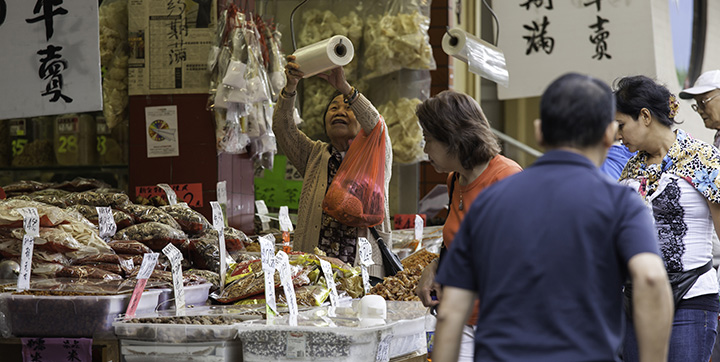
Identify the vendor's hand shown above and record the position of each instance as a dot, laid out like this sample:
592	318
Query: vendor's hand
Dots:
336	78
427	285
293	74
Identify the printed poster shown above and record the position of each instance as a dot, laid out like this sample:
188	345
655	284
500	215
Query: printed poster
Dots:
161	131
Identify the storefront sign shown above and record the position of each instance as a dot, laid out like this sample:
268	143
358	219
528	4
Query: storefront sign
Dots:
188	193
50	61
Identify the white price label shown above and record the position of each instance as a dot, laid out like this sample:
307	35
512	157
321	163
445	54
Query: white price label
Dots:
327	271
25	262
419	225
383	353
365	278
296	345
148	265
283	265
172	197
106	222
284	219
127	264
365	252
175	260
31	220
270	290
219	225
221	190
267	252
261	208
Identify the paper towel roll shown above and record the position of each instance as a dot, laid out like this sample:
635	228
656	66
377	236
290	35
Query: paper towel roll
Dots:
336	51
482	58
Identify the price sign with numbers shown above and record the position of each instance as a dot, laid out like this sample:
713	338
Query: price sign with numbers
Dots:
365	252
221	190
283	266
419	226
106	222
284	218
328	273
175	260
365	278
31	220
171	196
267	255
219	225
146	268
262	211
25	262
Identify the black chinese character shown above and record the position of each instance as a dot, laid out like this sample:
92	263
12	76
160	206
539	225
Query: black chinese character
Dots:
177	56
51	68
176	7
538	39
599	39
47	14
596	2
73	350
537	3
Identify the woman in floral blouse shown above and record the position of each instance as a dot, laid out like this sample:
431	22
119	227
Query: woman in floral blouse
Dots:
677	176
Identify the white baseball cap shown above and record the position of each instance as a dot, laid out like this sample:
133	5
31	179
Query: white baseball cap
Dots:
706	82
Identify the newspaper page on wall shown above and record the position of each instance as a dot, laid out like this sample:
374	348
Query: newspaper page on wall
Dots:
169	45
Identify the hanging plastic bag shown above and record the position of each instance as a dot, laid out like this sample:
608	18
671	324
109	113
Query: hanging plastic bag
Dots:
356	196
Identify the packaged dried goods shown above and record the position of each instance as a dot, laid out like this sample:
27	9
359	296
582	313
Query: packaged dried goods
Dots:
122	220
205	253
155	235
190	220
24	187
308	295
49	215
93	198
129	247
89	272
12	249
211	276
143	213
163	278
86	234
80	184
235	240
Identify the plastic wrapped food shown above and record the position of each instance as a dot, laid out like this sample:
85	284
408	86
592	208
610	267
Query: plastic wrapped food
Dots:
122	220
235	240
86	235
49	215
129	247
404	130
12	249
93	198
59	241
87	272
308	295
205	253
24	187
190	221
211	276
155	235
80	184
144	213
164	278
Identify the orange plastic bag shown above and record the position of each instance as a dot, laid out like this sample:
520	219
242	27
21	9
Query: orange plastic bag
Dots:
356	196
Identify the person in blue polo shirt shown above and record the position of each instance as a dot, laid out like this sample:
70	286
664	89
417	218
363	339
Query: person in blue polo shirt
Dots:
546	251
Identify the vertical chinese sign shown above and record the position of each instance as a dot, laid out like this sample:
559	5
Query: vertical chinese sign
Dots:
50	61
169	45
607	39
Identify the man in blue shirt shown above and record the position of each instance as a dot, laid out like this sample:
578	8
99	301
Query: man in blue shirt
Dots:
546	251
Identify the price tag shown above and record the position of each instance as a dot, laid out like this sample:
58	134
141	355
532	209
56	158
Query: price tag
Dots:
219	225
419	225
365	252
327	271
146	268
175	259
283	265
31	220
25	262
221	190
365	278
262	212
284	218
267	255
296	342
383	353
171	196
106	222
127	264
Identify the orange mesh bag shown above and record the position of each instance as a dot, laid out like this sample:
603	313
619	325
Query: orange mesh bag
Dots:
356	196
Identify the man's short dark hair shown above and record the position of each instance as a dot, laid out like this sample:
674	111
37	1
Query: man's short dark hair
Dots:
457	120
575	110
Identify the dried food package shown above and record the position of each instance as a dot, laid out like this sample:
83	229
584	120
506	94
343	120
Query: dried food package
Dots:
162	278
396	37
122	220
405	132
129	247
49	215
86	234
154	235
211	276
47	199
145	213
75	140
205	253
235	240
114	54
31	142
57	241
308	295
12	249
80	184
24	187
93	198
190	221
87	272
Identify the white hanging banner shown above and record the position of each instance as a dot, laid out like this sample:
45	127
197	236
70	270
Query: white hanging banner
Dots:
50	61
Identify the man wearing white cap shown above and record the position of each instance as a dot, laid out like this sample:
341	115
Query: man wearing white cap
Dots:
705	91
